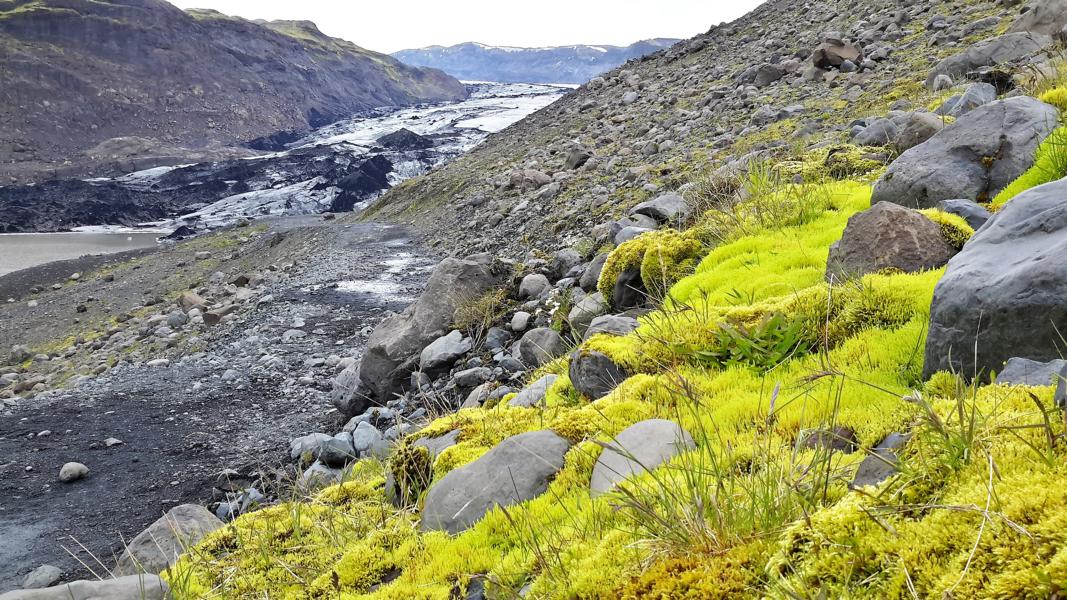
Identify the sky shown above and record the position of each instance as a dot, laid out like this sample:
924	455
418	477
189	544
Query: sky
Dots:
391	26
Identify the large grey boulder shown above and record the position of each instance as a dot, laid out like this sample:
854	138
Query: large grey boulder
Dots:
637	449
887	236
534	394
516	470
158	547
1005	293
132	587
1007	48
541	345
1047	17
1023	371
594	375
974	158
393	349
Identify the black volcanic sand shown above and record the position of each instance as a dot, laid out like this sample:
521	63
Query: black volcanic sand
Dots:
176	440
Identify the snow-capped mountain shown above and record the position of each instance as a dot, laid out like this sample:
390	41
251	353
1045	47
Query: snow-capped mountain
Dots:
559	64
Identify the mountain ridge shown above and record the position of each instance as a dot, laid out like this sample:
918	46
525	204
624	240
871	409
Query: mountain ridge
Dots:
570	64
76	101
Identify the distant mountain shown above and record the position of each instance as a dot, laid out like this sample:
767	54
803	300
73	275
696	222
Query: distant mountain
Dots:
560	64
87	84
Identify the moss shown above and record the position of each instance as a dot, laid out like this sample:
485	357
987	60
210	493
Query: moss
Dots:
1050	164
954	228
630	256
411	468
715	538
668	258
1056	97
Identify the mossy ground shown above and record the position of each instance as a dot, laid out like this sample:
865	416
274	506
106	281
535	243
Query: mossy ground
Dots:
977	510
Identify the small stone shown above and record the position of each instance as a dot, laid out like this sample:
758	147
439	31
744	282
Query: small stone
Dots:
109	442
42	577
72	472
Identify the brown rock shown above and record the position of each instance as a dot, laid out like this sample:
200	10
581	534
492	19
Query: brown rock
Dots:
887	236
190	300
831	55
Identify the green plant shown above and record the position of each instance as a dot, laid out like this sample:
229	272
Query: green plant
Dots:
763	346
476	315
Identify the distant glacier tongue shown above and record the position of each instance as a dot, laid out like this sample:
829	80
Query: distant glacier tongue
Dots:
444	130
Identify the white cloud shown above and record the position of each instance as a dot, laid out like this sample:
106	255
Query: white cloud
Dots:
390	26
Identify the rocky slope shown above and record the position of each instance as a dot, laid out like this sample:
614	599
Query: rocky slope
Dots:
702	375
749	88
100	87
560	64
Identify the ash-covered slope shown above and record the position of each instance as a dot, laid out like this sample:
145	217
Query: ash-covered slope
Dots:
556	64
97	87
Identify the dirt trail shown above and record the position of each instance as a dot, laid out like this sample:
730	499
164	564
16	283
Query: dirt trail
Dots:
227	407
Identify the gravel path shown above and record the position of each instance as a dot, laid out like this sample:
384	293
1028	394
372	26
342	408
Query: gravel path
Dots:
261	380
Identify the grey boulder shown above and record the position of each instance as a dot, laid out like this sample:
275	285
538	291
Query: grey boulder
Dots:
975	214
541	345
637	449
514	471
916	128
533	285
591	276
585	311
881	463
611	325
974	158
595	375
1047	17
1005	293
42	577
158	547
534	394
887	236
977	94
666	208
393	349
1007	48
443	352
1023	371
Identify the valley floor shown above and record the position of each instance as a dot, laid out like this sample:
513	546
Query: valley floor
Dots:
183	423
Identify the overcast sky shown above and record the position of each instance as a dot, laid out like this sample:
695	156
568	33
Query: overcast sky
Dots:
391	26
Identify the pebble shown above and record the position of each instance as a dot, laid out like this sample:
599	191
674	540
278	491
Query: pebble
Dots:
42	577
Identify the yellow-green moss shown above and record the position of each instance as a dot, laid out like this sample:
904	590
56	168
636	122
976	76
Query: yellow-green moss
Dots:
1056	97
662	257
1050	164
954	228
925	527
668	258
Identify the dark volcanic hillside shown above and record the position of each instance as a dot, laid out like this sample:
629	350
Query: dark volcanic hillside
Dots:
92	87
561	64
